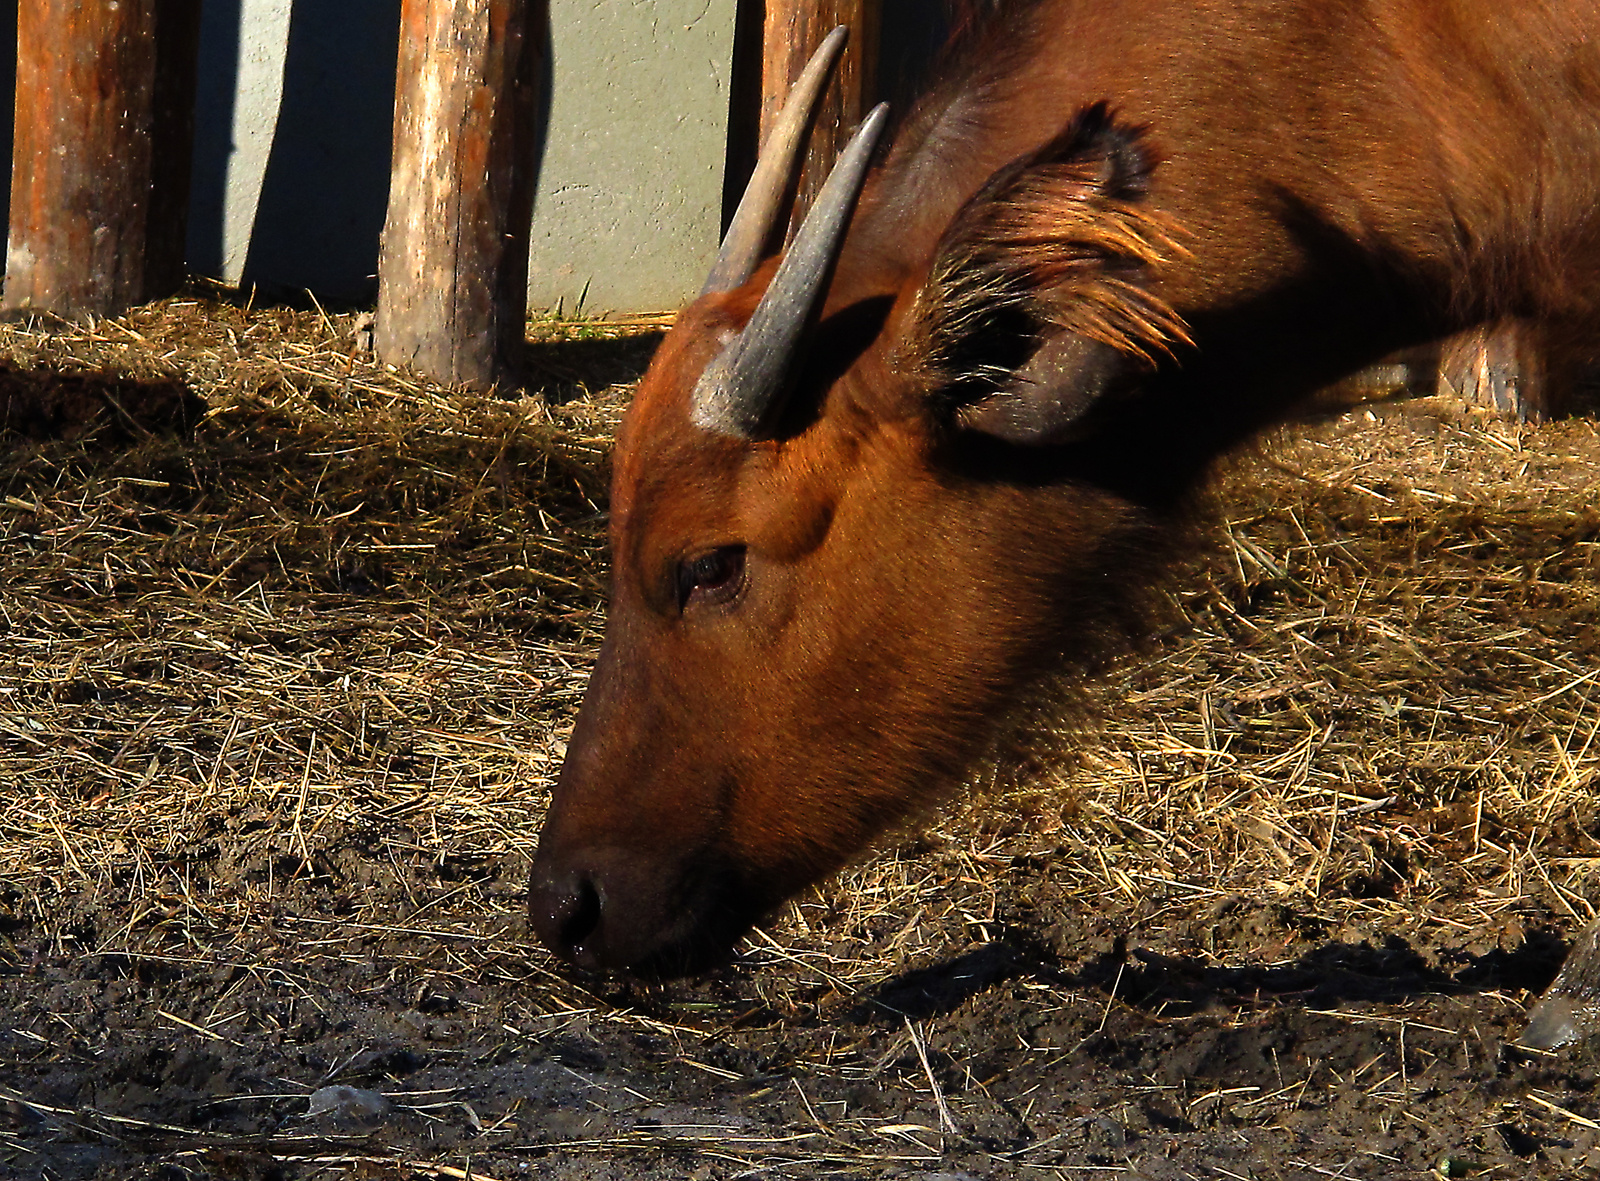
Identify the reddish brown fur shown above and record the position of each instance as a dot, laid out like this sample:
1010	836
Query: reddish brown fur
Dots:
1321	183
1041	234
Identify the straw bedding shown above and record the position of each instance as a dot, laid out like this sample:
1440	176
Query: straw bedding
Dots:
289	646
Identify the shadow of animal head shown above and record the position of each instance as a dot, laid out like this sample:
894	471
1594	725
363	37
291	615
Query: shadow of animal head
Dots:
943	987
1331	974
47	404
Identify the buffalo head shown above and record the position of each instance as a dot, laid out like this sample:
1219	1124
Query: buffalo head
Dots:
857	507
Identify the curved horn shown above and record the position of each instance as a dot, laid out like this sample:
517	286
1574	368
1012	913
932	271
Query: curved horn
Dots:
742	392
779	164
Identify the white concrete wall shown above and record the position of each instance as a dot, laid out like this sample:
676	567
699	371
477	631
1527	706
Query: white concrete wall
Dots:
630	185
293	140
258	90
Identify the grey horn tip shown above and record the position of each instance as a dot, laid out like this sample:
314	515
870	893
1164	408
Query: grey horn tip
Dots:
743	392
776	171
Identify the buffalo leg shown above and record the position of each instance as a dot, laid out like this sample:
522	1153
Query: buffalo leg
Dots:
1570	1007
1513	367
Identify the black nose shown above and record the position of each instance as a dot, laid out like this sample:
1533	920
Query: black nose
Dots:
564	912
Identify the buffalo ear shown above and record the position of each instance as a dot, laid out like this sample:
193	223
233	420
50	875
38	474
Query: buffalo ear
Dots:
1036	310
1050	397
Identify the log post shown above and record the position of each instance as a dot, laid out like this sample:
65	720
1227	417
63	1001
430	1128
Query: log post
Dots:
791	33
101	155
453	266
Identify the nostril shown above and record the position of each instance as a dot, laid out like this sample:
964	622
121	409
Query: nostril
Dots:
564	911
582	919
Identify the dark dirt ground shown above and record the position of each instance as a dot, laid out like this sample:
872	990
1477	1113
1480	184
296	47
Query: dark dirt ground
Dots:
1361	1060
246	866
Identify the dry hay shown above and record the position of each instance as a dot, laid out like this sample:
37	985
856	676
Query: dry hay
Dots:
275	615
244	614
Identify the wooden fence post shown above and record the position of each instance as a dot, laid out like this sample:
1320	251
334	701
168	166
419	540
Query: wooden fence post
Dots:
453	267
101	156
791	33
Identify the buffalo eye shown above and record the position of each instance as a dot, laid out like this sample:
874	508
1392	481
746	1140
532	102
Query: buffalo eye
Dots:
714	577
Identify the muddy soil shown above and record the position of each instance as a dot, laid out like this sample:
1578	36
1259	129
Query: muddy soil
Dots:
1238	1039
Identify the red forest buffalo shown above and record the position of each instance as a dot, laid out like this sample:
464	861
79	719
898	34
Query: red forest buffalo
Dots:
868	494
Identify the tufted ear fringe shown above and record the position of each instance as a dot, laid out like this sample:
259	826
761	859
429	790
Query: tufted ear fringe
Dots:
1057	242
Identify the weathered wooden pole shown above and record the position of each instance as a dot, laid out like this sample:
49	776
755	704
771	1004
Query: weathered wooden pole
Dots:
100	163
791	33
453	267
